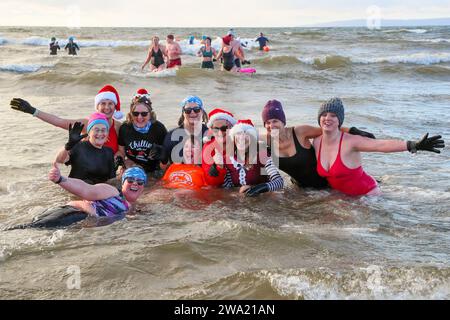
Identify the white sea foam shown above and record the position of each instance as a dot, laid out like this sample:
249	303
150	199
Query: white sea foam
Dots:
186	48
23	68
415	58
418	31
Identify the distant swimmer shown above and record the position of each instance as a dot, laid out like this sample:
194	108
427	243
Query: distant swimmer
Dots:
101	201
339	154
173	51
262	41
191	40
208	54
155	56
54	47
72	47
227	54
238	50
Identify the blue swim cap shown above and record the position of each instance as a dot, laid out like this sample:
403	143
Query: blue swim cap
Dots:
192	99
204	37
135	172
71	38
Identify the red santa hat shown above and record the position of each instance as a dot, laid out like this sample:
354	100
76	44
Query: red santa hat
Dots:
108	92
220	114
141	93
246	126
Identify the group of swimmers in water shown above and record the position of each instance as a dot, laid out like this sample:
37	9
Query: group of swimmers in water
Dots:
71	47
204	150
160	57
231	54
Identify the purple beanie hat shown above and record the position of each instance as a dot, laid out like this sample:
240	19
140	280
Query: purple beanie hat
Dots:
273	110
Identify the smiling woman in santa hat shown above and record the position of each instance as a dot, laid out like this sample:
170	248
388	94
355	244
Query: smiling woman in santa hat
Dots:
244	167
107	101
219	124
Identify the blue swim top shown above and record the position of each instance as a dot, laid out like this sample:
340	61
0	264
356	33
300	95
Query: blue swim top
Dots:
192	99
135	172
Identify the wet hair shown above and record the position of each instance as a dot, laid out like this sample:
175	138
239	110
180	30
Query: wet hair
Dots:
208	38
141	100
170	36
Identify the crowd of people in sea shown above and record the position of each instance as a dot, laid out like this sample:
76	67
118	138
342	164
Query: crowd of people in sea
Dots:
160	57
204	149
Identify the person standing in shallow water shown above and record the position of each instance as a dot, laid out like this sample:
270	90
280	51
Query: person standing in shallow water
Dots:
89	160
54	47
208	54
294	151
72	47
339	154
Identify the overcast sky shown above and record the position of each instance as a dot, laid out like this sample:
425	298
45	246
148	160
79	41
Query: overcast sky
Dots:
202	13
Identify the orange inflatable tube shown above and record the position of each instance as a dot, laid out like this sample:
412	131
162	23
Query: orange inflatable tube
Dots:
184	176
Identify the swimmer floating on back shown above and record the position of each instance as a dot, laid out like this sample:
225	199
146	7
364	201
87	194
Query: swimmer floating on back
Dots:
100	201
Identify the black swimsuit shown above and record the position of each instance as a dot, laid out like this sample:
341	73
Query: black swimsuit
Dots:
228	60
158	58
302	167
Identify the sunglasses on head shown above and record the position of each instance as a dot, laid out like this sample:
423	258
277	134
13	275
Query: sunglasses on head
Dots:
133	180
136	113
222	128
189	110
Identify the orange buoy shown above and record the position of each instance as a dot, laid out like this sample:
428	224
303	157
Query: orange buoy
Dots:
266	48
184	176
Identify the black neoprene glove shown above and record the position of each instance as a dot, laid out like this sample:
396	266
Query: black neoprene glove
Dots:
118	162
427	144
157	152
213	172
356	131
22	105
255	190
75	135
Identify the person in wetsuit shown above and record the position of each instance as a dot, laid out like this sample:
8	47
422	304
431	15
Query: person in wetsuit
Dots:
72	47
262	41
141	137
155	56
54	47
294	151
107	101
90	161
102	202
208	54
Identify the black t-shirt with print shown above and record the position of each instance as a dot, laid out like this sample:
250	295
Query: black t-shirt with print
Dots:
138	145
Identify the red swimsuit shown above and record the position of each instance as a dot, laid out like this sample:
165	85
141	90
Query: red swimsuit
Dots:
353	182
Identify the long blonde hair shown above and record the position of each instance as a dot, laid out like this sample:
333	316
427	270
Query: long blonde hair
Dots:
141	100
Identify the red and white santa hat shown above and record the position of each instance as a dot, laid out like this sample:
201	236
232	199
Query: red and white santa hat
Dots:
108	92
220	114
141	93
245	125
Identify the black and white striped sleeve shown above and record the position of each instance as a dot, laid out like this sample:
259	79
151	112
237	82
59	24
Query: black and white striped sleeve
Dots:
228	182
276	180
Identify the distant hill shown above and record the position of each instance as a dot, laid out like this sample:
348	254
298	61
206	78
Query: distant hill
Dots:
385	23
